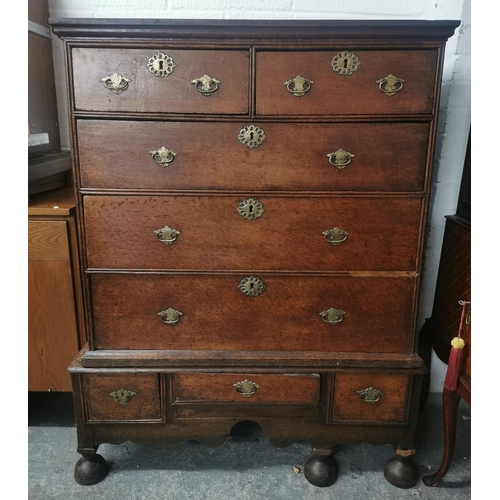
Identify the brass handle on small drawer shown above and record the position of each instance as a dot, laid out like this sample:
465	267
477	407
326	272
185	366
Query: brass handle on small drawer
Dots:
163	156
246	388
170	316
206	85
390	85
116	83
166	235
122	396
299	85
370	395
340	158
332	316
335	236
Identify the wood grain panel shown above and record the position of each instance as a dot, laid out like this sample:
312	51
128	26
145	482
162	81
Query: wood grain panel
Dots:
347	405
285	317
388	157
219	387
48	240
383	233
355	94
52	329
174	93
144	405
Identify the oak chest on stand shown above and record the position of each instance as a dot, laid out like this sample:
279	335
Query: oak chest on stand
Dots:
252	200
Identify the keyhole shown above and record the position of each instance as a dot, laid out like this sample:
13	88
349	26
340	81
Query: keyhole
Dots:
250	208
161	65
251	286
251	135
345	62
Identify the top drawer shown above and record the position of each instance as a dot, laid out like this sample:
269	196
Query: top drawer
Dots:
358	93
172	93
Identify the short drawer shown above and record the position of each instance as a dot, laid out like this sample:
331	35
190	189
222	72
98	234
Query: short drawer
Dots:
137	89
370	397
293	156
357	93
291	233
291	312
246	388
133	397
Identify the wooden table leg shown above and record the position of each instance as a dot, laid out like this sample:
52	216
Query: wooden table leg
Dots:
451	400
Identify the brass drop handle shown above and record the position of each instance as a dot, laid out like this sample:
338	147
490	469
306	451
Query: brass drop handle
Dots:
163	156
390	85
332	316
206	85
170	316
335	236
116	83
370	395
246	388
122	396
166	235
298	86
340	158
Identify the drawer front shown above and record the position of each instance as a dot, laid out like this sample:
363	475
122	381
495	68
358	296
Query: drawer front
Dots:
387	157
123	397
370	397
174	93
284	317
356	94
246	388
382	234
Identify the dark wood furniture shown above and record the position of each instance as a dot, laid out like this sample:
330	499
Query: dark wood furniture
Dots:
55	306
453	285
252	199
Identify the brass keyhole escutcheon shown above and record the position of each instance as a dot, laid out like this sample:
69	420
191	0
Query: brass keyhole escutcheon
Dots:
345	63
251	286
251	136
250	209
161	65
122	396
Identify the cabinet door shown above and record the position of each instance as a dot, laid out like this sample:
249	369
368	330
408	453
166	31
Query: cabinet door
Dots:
52	329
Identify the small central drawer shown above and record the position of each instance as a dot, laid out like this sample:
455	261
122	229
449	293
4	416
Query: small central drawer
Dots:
246	388
161	80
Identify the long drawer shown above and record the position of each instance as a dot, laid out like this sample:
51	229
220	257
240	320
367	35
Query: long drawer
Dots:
291	233
291	312
149	91
346	82
293	156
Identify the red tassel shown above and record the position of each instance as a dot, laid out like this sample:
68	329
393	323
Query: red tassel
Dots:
457	344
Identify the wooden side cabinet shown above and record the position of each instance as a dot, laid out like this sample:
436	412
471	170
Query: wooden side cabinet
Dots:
54	291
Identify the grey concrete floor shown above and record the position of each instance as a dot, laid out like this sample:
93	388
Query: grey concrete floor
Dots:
246	467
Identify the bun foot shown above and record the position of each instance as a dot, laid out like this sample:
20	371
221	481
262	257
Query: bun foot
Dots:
90	469
320	470
401	472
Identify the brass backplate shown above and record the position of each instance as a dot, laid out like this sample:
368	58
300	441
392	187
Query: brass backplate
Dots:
250	209
345	63
251	136
251	286
122	396
161	65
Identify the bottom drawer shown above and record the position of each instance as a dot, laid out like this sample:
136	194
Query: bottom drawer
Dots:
133	397
369	397
218	395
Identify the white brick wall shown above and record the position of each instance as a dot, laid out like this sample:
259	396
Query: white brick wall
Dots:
454	116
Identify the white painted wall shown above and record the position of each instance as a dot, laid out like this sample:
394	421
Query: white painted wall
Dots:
455	108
